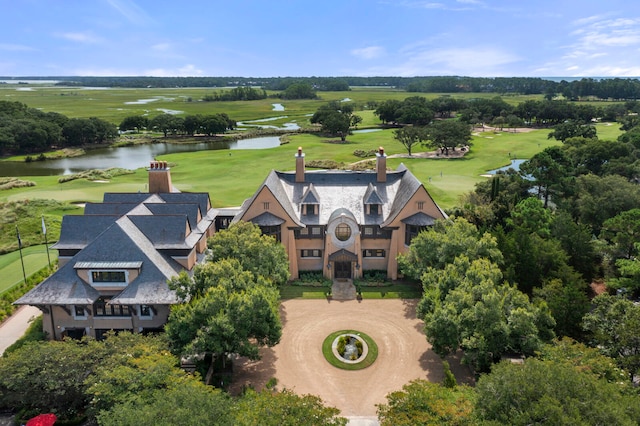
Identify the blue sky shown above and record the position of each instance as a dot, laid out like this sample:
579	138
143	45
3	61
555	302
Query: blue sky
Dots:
270	38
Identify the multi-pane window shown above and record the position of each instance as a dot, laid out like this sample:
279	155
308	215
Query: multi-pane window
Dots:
411	231
375	232
273	231
310	253
343	232
108	277
374	253
310	232
103	308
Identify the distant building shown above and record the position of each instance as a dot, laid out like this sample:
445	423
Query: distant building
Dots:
342	222
115	260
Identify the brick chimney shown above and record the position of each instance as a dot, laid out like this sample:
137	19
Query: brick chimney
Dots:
299	165
159	178
381	165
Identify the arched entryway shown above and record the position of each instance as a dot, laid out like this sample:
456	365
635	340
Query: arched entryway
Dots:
343	262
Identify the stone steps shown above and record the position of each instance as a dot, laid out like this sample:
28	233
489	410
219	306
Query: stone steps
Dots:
343	290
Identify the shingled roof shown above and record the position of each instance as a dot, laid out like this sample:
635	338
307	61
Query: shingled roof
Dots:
121	242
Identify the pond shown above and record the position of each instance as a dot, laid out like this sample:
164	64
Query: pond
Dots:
515	164
127	157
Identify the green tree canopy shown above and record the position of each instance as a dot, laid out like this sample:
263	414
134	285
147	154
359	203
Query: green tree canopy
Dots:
284	408
236	314
572	129
424	403
549	392
448	134
409	137
481	315
440	244
614	324
260	254
336	118
186	402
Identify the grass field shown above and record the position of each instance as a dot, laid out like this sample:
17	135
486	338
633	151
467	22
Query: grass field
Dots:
232	176
35	258
113	104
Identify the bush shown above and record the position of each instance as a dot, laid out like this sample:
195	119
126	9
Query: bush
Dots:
364	154
8	297
10	183
312	278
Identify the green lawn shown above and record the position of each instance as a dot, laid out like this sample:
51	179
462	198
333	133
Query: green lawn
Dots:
35	258
396	290
232	176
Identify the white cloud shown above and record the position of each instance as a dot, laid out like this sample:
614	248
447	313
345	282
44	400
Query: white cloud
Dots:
9	47
188	70
80	37
472	61
598	37
161	47
131	11
370	52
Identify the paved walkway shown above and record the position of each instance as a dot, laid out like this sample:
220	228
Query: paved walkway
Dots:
15	326
343	290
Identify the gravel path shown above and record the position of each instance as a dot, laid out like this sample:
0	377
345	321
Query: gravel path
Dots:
298	364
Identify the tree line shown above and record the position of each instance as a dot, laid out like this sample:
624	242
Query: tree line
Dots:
495	111
175	125
25	130
603	88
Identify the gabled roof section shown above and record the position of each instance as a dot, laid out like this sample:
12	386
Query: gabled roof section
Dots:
64	287
164	231
125	197
117	209
371	196
121	244
199	198
272	184
419	219
267	219
409	184
76	232
311	196
191	211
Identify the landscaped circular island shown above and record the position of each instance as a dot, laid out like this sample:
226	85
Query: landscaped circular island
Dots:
349	350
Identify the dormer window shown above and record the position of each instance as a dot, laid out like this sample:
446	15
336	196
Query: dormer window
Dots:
108	277
309	209
372	201
310	202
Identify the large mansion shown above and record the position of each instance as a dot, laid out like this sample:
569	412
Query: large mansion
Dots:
116	259
342	222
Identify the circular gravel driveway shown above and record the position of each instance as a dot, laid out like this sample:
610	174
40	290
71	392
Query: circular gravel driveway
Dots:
297	361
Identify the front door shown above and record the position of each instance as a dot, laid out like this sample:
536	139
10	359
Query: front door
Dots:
343	270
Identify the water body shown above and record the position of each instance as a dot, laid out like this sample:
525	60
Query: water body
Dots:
515	164
278	107
366	130
127	157
258	123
